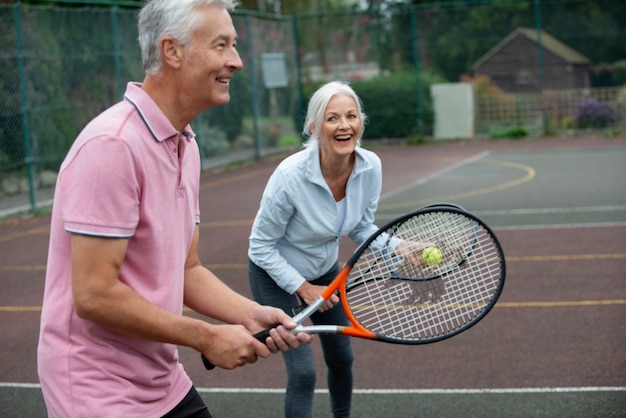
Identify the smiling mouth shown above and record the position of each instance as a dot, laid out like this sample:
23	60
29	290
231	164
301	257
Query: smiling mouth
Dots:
223	80
343	138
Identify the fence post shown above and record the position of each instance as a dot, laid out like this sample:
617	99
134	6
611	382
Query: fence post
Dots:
252	83
296	40
544	117
28	157
418	90
119	84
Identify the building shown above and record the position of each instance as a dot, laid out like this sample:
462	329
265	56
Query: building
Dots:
513	64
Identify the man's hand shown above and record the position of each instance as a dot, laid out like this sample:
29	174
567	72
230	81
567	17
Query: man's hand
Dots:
230	346
233	346
281	338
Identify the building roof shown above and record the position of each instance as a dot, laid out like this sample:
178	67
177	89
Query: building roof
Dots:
549	43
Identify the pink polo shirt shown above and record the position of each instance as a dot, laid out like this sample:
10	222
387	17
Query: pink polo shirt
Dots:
124	177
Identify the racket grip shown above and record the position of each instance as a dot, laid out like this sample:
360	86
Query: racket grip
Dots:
207	364
260	336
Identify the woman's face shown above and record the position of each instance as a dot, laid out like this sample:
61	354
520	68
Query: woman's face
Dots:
341	126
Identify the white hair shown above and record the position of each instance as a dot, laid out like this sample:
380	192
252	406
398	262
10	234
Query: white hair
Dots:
177	18
317	107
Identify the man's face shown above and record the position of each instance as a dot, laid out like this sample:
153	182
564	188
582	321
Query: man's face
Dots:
211	58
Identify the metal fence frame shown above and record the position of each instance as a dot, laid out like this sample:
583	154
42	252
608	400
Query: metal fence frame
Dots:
271	114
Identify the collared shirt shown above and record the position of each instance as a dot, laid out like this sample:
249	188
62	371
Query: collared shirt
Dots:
131	175
296	232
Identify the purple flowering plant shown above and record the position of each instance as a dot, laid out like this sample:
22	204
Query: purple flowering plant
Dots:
595	114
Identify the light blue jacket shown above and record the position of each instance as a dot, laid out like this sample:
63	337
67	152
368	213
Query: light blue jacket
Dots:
295	235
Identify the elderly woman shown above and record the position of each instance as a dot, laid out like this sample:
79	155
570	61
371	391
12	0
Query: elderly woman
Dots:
314	197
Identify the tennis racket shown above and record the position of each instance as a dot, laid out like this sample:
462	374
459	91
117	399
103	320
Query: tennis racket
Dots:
389	295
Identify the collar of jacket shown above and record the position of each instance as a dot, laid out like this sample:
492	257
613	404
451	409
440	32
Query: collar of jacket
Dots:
314	171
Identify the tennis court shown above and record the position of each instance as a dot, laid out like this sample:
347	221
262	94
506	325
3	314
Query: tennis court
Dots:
552	347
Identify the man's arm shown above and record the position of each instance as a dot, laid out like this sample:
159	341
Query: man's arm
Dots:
208	295
101	297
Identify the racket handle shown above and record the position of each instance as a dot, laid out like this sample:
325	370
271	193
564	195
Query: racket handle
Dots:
260	336
207	364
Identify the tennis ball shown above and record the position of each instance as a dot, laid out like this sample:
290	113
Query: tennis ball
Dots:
431	256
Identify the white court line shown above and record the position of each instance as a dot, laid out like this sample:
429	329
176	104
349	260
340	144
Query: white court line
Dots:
538	226
502	390
20	385
25	208
541	211
390	391
578	209
436	174
433	391
560	226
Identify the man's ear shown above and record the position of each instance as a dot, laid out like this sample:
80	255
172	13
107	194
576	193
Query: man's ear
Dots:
171	52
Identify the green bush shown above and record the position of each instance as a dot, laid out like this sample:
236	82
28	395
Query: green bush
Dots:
229	118
289	141
510	132
390	102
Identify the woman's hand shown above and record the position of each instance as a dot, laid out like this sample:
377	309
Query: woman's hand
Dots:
412	251
309	293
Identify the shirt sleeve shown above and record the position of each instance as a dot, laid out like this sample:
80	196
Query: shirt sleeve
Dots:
99	187
269	227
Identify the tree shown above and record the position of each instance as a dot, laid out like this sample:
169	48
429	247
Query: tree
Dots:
453	35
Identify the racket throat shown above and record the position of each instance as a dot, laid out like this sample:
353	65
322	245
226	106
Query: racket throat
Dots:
306	312
320	329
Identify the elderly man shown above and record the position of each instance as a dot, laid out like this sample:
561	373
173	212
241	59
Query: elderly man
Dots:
123	253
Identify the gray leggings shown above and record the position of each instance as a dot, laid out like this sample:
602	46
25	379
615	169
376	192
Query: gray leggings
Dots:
300	363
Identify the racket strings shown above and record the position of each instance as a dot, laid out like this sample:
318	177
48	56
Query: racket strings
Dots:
406	301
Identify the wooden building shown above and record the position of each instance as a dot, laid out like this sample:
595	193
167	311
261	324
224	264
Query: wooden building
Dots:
513	64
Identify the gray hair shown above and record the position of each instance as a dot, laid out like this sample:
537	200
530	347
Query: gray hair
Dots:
177	18
317	107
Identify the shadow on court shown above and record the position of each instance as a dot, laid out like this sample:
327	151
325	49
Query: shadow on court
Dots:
552	347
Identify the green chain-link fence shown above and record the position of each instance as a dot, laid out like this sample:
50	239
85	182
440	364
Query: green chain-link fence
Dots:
59	67
62	64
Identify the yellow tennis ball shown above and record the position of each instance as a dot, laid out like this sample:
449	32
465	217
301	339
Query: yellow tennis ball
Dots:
431	256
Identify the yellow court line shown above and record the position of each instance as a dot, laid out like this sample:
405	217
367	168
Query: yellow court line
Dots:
43	268
44	230
226	266
20	308
530	174
35	231
557	304
573	257
230	179
23	268
529	304
217	224
509	259
244	222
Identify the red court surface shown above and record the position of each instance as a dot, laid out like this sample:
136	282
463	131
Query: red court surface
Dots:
558	207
